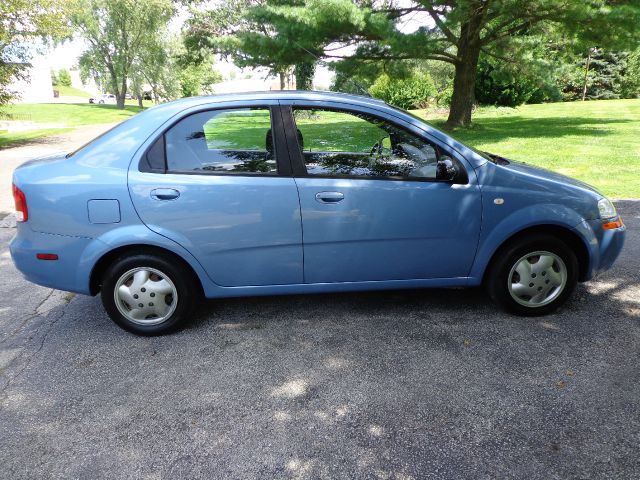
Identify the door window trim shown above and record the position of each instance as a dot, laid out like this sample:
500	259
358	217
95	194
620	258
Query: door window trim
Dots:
280	146
299	168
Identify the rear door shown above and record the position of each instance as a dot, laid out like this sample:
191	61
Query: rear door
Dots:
373	207
218	182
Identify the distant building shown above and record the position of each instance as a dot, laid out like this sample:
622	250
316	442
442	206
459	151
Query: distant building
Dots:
37	86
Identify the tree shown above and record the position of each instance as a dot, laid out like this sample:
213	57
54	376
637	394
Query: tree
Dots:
247	31
24	23
165	66
198	78
64	77
116	31
630	87
600	75
304	72
457	32
503	85
155	67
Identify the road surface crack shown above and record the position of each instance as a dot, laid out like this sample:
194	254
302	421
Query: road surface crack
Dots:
27	361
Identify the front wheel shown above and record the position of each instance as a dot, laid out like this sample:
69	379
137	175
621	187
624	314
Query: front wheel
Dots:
533	276
148	294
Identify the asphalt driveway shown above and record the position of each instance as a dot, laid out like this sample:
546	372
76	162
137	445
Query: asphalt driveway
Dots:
410	384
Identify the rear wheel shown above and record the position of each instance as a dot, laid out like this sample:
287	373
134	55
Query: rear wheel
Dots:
149	294
533	276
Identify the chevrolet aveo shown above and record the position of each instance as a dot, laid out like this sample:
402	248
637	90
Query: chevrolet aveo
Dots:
298	192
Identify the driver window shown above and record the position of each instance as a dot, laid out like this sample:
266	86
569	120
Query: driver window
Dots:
353	144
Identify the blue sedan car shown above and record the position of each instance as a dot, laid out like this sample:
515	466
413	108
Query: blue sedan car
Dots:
299	192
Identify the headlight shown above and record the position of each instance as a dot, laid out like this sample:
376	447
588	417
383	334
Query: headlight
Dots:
606	208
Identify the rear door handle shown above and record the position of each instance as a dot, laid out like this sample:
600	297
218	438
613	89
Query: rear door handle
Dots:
329	197
164	193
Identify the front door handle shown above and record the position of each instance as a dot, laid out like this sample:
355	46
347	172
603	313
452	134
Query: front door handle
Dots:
164	193
329	197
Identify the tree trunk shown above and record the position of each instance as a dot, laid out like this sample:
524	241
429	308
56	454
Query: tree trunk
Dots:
140	100
120	95
464	81
282	81
304	72
586	75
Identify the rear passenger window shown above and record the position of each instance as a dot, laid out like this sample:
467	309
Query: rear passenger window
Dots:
233	141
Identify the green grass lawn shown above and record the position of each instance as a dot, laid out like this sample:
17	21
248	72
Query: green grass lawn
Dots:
15	139
595	141
72	114
72	92
67	115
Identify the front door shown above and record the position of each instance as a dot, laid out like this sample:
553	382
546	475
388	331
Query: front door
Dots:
373	205
226	195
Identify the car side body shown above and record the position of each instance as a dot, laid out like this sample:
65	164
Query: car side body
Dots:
245	235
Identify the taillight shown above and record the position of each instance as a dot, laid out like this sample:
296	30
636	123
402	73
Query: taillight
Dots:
22	213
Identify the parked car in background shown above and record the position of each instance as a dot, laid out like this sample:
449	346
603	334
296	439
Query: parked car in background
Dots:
299	192
106	98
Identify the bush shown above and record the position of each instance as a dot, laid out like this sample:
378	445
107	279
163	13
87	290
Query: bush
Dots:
443	98
64	78
498	85
415	91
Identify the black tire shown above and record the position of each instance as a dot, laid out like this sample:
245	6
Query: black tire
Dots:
186	286
497	277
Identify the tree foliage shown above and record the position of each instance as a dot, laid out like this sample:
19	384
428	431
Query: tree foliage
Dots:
118	33
599	75
509	85
280	32
630	85
64	77
24	23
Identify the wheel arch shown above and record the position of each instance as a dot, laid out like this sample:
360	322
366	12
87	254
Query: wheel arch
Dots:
126	250
572	239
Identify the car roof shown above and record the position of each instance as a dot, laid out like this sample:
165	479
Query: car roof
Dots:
274	95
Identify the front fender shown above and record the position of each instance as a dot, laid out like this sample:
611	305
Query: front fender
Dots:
496	232
128	236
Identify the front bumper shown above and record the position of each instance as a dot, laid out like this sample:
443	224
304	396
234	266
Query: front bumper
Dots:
604	245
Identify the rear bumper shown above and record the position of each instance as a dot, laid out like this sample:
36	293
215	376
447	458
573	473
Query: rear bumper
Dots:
66	273
604	245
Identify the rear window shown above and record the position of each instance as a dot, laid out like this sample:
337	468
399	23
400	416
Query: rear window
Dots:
82	147
231	141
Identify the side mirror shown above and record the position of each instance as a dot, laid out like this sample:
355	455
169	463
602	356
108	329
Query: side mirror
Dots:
446	169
